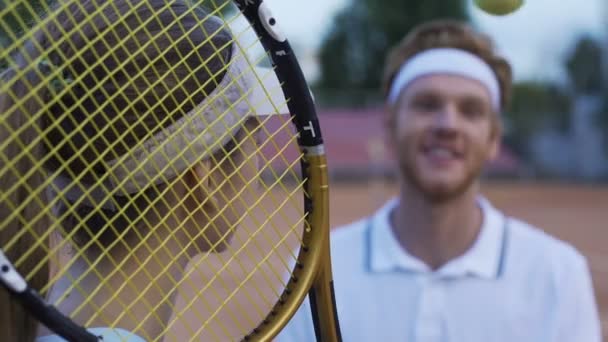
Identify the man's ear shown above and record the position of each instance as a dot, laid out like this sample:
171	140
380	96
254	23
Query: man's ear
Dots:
389	123
495	145
389	120
495	138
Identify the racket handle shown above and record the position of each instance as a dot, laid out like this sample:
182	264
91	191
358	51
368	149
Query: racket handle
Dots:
37	307
53	319
323	303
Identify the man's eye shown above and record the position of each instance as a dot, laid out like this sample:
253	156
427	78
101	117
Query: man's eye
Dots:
426	104
472	110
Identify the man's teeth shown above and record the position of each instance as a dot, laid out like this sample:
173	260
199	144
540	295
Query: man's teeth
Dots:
441	153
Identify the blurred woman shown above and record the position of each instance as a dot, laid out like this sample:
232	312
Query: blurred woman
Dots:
148	140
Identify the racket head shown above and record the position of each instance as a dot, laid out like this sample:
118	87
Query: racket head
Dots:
65	161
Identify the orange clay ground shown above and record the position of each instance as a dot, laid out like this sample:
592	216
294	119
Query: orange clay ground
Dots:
575	213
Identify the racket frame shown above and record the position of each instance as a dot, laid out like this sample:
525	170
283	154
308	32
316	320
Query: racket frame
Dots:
38	307
312	274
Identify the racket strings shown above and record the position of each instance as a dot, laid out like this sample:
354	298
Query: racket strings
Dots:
259	224
219	295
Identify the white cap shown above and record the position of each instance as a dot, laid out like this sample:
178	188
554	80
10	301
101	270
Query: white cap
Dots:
204	130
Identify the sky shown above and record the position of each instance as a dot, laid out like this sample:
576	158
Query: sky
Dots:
536	38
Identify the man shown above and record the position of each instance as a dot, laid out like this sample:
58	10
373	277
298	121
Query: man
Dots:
440	263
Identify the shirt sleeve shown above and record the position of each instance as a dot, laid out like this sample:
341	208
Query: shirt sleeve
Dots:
300	328
579	317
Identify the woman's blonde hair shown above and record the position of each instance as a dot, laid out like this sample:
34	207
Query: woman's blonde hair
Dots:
157	50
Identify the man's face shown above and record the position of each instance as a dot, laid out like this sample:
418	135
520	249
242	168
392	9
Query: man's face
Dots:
443	131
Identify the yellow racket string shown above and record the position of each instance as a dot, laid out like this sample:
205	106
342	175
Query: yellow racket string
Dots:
266	205
257	224
43	133
260	224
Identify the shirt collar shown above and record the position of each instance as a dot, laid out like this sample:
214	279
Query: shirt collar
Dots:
483	259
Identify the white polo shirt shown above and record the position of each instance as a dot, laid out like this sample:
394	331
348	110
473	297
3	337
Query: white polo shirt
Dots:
515	283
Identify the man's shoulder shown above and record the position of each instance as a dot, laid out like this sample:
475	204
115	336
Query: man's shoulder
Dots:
349	238
357	231
351	232
556	272
349	245
542	247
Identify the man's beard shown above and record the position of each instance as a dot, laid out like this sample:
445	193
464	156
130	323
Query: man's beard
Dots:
438	193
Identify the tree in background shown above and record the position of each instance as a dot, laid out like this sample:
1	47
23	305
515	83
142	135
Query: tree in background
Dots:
542	106
352	54
536	106
584	66
602	121
16	18
585	70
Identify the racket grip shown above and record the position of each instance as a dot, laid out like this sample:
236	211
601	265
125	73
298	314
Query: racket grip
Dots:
323	303
37	307
53	319
321	293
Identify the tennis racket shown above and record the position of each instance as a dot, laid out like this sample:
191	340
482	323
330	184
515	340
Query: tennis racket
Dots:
163	173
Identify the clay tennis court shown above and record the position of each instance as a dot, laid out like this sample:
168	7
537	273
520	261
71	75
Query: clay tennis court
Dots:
575	213
572	212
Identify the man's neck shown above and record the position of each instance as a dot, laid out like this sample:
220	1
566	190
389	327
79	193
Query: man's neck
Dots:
436	231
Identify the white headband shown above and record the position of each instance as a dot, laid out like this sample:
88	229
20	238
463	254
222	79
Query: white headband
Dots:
244	91
446	61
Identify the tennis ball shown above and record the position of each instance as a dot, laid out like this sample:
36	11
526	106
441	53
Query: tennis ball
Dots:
499	7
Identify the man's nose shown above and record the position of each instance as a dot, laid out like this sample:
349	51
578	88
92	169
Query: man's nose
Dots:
446	120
